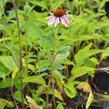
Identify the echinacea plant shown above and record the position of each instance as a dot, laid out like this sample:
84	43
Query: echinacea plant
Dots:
59	15
53	63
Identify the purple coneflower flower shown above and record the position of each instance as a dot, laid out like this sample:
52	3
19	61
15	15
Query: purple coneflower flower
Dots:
57	16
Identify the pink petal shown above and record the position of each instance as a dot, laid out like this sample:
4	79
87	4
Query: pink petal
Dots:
65	17
64	21
52	20
56	21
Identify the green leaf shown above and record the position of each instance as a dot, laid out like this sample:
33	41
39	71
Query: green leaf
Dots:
61	57
59	78
32	103
42	68
70	90
5	39
106	97
58	74
34	79
46	42
17	96
78	71
41	90
105	53
67	62
4	71
33	27
6	83
90	99
41	18
84	54
42	65
2	105
2	27
56	4
39	3
58	95
63	50
7	103
58	67
60	106
86	37
8	62
92	62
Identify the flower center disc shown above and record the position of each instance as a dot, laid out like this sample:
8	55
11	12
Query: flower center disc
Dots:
59	12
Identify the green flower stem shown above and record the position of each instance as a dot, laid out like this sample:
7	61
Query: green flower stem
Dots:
53	58
51	81
54	101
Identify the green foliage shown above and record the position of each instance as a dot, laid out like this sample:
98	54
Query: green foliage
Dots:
70	89
54	59
60	106
34	79
4	103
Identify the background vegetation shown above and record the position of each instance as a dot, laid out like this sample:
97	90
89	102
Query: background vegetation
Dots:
52	64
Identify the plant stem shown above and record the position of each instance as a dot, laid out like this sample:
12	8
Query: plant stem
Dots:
47	98
12	92
54	101
67	72
20	52
53	58
26	60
